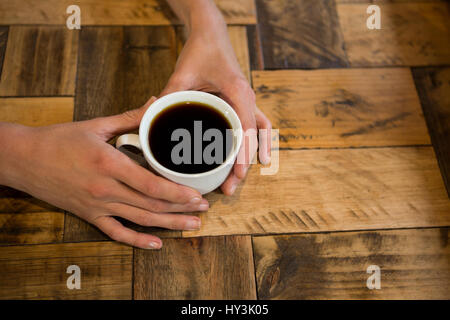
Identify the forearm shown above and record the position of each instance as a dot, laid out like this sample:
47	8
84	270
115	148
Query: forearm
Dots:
13	144
198	15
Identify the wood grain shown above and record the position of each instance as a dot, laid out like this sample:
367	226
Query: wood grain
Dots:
300	34
342	107
16	203
39	61
31	228
198	268
36	111
76	229
255	48
113	12
119	69
411	34
433	85
3	39
414	264
27	220
39	271
334	190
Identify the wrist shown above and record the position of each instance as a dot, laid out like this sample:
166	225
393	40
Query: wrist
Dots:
204	19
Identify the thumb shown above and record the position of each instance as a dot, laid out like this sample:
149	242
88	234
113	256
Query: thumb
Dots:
108	127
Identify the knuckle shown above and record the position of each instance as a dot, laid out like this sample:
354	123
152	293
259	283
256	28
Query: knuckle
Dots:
176	81
146	220
157	206
98	190
130	115
241	83
151	188
117	235
103	162
134	242
251	94
180	80
174	224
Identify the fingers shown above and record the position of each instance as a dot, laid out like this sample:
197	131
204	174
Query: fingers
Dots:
152	185
242	98
108	127
247	151
153	219
242	101
129	196
116	231
230	184
265	136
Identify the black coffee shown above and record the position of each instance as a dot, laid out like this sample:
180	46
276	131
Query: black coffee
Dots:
190	137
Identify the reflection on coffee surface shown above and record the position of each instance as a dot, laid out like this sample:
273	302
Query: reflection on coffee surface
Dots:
190	137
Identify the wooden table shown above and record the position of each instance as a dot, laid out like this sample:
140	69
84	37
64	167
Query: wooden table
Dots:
363	118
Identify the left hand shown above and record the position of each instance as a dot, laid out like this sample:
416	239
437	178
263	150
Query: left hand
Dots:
208	63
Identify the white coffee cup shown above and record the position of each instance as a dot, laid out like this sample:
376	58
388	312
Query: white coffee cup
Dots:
203	182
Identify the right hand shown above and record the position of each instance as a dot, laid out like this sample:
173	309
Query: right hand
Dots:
74	168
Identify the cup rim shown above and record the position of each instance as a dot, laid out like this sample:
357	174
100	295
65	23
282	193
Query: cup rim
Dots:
183	96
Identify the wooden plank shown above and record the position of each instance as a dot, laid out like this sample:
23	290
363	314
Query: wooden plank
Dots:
135	63
76	229
17	202
27	220
36	111
334	190
433	85
39	61
414	264
39	271
342	107
32	227
119	69
300	34
255	48
113	12
3	39
198	268
411	34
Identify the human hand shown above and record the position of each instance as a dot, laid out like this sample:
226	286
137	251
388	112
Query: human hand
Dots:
208	63
74	168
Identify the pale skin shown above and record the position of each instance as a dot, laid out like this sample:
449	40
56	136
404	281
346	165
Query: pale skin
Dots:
74	168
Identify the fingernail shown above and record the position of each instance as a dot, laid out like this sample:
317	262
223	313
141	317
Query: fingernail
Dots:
193	224
266	160
203	206
154	245
233	188
195	200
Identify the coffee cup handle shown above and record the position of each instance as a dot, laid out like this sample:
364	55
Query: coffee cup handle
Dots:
128	140
131	140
